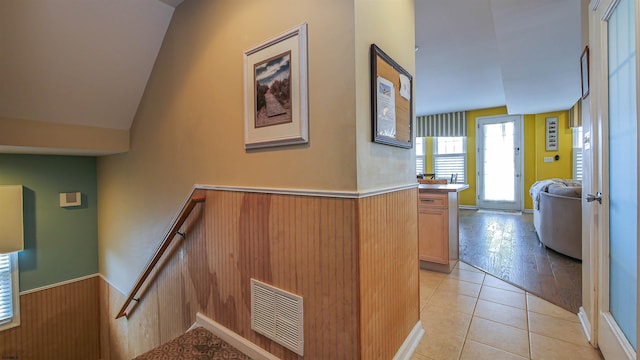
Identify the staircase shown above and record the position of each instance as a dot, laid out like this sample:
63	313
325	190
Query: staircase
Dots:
197	344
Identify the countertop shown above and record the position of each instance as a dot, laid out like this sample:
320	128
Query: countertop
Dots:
442	188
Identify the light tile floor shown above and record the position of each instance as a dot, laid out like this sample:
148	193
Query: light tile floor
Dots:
472	315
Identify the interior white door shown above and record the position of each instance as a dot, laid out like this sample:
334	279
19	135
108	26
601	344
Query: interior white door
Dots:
618	265
499	162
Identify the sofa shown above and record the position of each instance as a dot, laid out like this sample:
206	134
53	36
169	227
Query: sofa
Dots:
557	215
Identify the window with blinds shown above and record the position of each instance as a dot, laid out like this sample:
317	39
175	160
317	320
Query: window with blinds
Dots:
577	153
577	164
420	169
8	291
450	157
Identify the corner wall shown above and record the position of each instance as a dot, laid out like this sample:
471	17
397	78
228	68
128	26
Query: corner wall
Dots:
189	128
560	168
391	26
360	293
59	289
60	243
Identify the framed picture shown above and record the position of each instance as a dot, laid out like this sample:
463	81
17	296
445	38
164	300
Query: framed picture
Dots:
584	71
391	101
275	91
552	134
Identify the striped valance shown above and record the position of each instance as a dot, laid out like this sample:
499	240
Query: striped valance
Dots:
449	124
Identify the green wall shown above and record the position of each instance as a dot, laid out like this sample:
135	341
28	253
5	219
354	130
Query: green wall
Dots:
60	243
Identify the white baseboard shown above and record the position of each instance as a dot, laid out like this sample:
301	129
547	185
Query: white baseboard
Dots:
254	351
611	340
467	207
410	343
245	346
584	321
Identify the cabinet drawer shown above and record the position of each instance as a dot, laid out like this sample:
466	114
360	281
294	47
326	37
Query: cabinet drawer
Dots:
432	200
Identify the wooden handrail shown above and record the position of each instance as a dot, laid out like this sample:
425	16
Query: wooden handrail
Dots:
182	217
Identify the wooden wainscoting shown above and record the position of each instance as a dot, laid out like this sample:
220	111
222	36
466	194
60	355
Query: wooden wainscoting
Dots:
389	285
56	323
306	245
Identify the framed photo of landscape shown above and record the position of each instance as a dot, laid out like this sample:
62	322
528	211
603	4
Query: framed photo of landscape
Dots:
275	91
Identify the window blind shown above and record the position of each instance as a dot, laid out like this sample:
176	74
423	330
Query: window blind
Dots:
420	165
6	288
577	153
577	163
420	169
449	158
449	124
447	165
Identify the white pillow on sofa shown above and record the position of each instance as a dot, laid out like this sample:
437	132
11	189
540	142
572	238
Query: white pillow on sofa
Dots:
564	190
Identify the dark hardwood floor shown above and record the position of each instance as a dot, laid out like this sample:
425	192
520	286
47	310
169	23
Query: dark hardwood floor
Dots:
507	247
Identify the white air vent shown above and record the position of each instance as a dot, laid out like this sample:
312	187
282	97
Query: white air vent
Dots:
70	199
278	315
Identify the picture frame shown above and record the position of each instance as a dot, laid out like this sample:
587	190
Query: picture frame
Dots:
276	91
584	72
391	101
551	131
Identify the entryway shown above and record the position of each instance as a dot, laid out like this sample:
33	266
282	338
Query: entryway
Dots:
499	162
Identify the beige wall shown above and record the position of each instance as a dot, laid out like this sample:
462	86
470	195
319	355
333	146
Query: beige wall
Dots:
189	126
391	26
31	137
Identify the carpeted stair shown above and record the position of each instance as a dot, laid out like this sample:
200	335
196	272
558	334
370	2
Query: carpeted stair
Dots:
197	344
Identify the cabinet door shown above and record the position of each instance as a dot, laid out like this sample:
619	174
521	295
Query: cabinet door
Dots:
433	235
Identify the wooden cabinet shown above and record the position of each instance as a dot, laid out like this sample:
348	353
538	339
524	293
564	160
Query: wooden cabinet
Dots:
438	226
433	228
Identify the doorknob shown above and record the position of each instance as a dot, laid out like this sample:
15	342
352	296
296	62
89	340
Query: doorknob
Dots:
597	197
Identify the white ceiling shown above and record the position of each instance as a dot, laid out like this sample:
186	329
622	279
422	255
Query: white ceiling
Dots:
87	62
475	54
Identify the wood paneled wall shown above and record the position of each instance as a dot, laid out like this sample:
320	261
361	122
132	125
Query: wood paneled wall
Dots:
56	323
389	298
306	245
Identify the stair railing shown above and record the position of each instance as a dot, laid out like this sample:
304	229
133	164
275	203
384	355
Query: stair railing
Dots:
166	242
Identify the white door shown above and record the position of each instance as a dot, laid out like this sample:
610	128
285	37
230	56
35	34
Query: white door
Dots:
499	162
618	218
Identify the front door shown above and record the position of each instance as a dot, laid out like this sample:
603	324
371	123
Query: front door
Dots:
618	266
499	162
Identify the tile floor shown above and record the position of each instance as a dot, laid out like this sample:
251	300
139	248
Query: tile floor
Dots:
472	315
